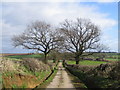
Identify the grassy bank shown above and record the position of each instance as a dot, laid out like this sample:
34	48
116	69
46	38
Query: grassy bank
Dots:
17	80
49	79
27	73
0	80
97	77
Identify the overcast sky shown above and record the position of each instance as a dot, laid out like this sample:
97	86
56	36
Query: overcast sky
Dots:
16	15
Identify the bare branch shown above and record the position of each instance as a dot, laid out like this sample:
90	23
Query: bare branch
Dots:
39	36
80	35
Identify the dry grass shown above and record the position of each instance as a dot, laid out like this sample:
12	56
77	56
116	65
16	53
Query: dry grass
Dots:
7	65
35	65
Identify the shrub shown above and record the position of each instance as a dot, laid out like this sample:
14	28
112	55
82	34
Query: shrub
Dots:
35	65
7	65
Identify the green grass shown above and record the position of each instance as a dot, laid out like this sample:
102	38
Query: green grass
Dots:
39	74
0	79
20	57
21	87
25	56
14	86
42	75
86	62
14	59
46	82
7	74
111	59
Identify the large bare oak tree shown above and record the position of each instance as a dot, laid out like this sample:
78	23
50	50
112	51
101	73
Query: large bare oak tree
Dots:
80	36
40	36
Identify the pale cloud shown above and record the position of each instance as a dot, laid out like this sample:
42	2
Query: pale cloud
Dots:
0	36
107	0
110	42
17	15
56	12
10	30
59	0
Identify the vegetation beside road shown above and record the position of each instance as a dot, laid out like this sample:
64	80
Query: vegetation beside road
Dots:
47	81
26	73
78	84
20	65
101	76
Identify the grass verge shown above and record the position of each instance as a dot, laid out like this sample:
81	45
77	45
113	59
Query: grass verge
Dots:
94	81
0	80
46	82
78	84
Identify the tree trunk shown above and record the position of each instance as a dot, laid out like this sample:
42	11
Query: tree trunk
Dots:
77	59
45	58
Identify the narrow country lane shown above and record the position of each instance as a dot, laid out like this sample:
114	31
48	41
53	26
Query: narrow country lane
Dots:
61	80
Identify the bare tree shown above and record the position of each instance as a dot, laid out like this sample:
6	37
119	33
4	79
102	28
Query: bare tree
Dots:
80	36
102	48
38	36
101	52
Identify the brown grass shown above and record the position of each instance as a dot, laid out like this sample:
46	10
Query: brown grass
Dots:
12	54
20	80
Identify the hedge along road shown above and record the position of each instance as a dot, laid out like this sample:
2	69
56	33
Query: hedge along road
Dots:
61	80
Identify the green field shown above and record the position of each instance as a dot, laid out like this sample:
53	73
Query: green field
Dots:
86	62
20	57
26	56
112	59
